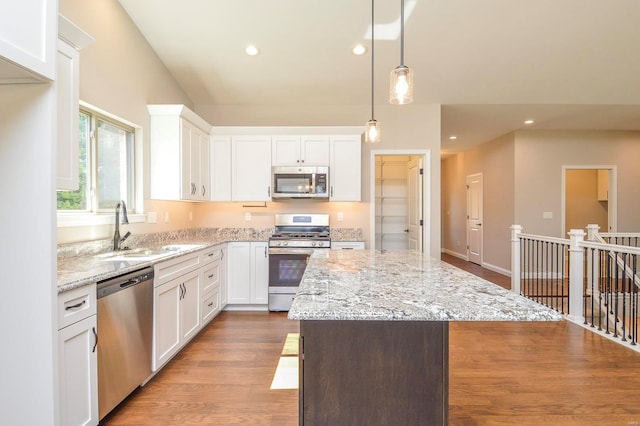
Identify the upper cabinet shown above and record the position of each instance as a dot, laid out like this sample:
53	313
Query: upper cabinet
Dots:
292	150
251	168
344	169
28	41
179	154
71	39
220	168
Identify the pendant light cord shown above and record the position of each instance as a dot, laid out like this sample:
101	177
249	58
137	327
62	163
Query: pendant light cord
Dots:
372	49
402	33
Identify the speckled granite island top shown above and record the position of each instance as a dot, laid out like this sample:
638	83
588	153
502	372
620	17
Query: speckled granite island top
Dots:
397	285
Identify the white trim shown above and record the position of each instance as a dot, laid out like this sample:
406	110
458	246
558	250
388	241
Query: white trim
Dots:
497	269
454	254
426	189
287	130
612	203
66	220
466	222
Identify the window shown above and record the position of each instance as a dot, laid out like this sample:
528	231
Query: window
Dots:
107	166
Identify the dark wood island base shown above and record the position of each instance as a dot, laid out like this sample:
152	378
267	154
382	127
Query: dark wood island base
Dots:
374	372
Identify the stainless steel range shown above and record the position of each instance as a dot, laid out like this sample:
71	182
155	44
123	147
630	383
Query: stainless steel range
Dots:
296	237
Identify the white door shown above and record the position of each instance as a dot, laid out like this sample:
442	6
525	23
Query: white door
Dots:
414	184
190	305
474	218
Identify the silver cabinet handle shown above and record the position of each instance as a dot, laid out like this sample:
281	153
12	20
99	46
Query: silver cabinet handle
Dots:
77	305
210	276
265	252
268	191
221	254
204	190
332	191
95	334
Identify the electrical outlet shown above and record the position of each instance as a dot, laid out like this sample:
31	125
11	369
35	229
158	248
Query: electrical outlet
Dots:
152	217
547	215
166	217
190	216
247	216
340	216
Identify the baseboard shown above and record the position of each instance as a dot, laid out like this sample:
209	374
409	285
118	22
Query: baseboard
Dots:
246	307
454	254
497	269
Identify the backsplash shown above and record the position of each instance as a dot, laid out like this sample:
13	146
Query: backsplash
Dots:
198	234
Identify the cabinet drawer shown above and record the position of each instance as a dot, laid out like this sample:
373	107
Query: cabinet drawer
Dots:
210	255
210	305
173	268
347	245
76	305
210	276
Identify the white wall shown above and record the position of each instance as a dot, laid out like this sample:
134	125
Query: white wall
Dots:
28	358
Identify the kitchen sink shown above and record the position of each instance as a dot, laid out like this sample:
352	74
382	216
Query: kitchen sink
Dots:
146	253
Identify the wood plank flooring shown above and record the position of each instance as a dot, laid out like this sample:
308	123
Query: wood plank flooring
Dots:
500	374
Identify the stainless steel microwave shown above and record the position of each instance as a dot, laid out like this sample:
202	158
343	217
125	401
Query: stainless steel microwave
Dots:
300	182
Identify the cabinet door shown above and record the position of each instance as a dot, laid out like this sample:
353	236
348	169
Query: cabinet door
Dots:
190	318
166	322
285	150
220	168
78	373
239	272
187	185
223	276
68	110
203	157
28	39
315	150
344	169
259	273
251	168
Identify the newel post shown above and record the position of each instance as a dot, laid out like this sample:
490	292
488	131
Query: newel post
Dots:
593	268
576	277
515	258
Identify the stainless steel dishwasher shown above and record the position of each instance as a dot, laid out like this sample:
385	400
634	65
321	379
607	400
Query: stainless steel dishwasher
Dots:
125	331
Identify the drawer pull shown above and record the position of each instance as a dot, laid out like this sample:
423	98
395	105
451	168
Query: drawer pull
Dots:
96	336
77	305
210	254
210	304
211	276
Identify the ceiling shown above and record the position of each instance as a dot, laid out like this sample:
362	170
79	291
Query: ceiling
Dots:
569	64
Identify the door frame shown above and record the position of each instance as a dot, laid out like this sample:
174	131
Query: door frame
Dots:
612	203
426	193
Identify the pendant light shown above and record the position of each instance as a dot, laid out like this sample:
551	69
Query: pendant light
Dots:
372	132
401	88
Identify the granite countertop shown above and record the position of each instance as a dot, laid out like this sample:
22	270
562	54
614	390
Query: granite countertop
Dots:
400	285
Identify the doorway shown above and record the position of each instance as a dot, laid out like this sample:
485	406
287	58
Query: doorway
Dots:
474	218
589	197
399	183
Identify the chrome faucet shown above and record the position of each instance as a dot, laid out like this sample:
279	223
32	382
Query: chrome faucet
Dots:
124	220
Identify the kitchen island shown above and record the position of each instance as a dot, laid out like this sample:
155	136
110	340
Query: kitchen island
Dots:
374	334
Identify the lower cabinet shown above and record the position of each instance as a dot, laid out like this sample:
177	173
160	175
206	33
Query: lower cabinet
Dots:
248	285
347	245
78	357
176	315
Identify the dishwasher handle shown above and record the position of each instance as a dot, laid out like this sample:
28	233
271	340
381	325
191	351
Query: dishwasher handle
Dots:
123	282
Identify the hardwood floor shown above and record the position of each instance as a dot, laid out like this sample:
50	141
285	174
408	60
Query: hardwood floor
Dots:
500	374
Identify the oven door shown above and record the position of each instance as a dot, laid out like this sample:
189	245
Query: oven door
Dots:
286	267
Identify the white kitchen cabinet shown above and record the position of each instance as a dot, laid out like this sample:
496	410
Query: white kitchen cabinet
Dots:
344	169
78	357
248	275
293	150
251	168
176	314
347	245
220	168
28	41
223	276
179	154
67	85
211	283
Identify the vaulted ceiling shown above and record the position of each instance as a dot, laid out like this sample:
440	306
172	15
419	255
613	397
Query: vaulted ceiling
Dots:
567	64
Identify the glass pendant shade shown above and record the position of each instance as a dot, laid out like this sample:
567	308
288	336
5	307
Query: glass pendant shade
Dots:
401	87
372	132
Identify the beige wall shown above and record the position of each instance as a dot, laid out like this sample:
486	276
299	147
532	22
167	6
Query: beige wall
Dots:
581	200
539	158
403	128
121	74
454	234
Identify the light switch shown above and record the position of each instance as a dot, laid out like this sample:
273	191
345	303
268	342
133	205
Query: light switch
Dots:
547	215
190	216
152	217
247	216
166	217
340	216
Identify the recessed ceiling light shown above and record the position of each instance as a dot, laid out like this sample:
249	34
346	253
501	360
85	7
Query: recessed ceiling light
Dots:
453	138
359	50
251	50
529	122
